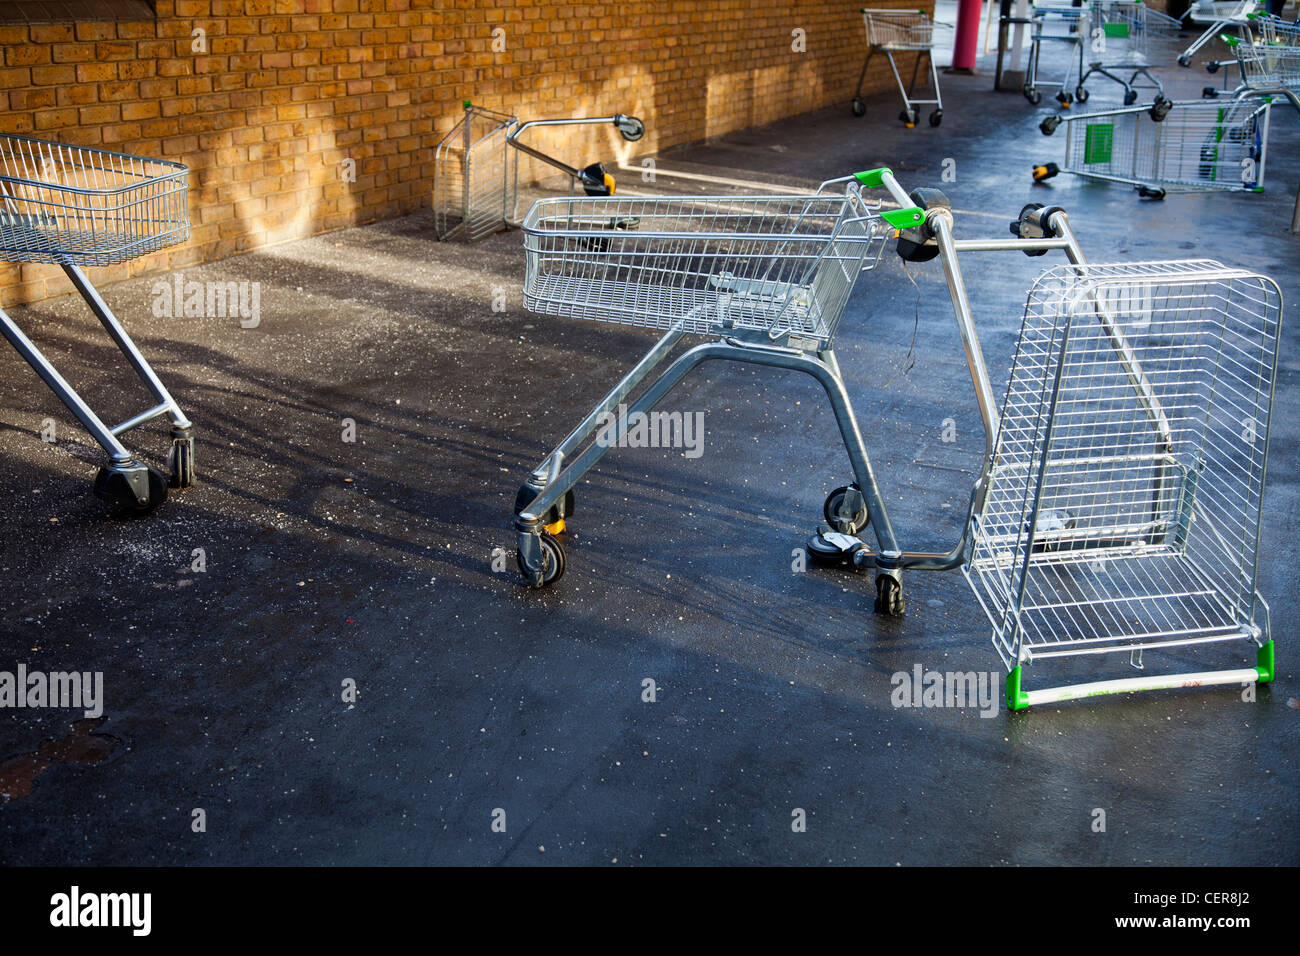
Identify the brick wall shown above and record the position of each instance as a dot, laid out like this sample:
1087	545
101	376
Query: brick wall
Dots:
280	93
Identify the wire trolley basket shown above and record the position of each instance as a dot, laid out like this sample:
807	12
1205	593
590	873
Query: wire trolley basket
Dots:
1125	39
764	264
1183	147
89	206
476	176
1269	59
902	31
1123	507
78	207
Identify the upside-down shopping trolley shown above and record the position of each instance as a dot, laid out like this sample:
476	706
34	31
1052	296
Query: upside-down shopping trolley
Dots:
476	169
77	207
768	279
1180	147
902	31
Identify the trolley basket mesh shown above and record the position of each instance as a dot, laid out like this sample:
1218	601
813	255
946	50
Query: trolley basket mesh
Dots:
899	29
475	182
771	263
84	206
1123	505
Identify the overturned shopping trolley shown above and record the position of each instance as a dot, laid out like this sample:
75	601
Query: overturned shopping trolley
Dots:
1123	509
902	31
77	207
1220	15
476	169
1168	147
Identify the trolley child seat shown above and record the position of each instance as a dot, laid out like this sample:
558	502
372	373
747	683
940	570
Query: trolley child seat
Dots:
76	207
476	170
902	31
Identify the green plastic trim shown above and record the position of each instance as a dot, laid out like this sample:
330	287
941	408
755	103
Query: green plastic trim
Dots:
873	178
467	104
1231	41
904	218
1265	663
1016	698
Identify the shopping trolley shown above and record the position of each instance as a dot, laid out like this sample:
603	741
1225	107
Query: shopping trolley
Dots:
1220	15
1125	38
476	170
78	207
902	31
1123	507
1266	65
766	278
1056	24
1179	147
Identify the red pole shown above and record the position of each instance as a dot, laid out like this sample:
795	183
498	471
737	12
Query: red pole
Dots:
967	39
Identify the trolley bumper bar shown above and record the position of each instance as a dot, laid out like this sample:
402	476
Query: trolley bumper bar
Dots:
105	436
1294	99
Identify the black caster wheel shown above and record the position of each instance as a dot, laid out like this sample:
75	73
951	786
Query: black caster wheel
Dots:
1212	66
1146	192
1034	96
1046	171
846	524
552	562
1184	60
859	107
130	490
1049	125
1130	97
1209	93
1064	99
832	549
889	596
936	117
909	118
180	461
1160	108
1081	94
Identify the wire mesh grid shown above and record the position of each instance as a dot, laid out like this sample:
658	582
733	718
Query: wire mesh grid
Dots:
1058	20
1269	65
91	207
475	181
1123	505
1199	145
1129	33
771	263
899	29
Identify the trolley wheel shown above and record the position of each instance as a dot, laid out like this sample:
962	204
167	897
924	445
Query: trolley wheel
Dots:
1064	99
1046	171
859	107
936	117
1049	125
1209	93
552	561
1160	108
1212	66
1130	97
180	459
1184	60
130	490
832	549
1081	94
1034	96
909	118
831	511
889	596
1147	192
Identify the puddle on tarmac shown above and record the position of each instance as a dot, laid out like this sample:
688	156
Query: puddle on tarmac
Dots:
81	745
